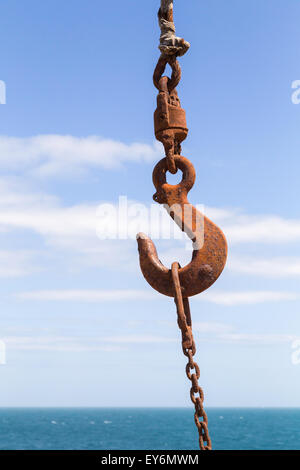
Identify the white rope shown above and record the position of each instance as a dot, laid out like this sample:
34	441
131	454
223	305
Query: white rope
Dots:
170	44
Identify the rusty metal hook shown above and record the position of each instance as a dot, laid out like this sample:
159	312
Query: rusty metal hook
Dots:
209	242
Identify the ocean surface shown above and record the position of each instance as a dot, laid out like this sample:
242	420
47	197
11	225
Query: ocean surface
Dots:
150	429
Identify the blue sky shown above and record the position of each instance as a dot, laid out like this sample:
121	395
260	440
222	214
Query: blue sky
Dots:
80	324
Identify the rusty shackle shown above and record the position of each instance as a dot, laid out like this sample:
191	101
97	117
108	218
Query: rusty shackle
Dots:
209	243
169	123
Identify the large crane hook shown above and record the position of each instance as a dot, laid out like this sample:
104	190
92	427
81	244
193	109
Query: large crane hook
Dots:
209	242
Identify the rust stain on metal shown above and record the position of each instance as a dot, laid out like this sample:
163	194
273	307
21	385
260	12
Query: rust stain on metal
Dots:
210	253
169	122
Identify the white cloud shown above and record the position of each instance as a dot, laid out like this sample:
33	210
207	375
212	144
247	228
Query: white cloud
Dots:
222	332
139	339
255	339
206	332
71	232
278	267
77	221
88	295
217	297
60	344
245	228
212	328
68	233
245	298
80	344
261	229
49	155
17	263
15	194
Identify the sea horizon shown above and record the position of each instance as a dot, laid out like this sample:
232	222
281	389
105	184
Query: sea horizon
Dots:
150	407
147	428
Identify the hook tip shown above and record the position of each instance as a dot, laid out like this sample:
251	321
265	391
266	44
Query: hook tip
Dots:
145	244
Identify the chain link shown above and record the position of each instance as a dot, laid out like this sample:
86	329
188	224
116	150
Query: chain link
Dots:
160	68
189	350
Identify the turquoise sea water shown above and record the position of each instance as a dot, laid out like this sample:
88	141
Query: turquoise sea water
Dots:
150	429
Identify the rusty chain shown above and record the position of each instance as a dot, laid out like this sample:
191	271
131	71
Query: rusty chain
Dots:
209	244
171	136
189	350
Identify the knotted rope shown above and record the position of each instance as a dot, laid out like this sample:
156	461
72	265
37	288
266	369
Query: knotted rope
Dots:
170	44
